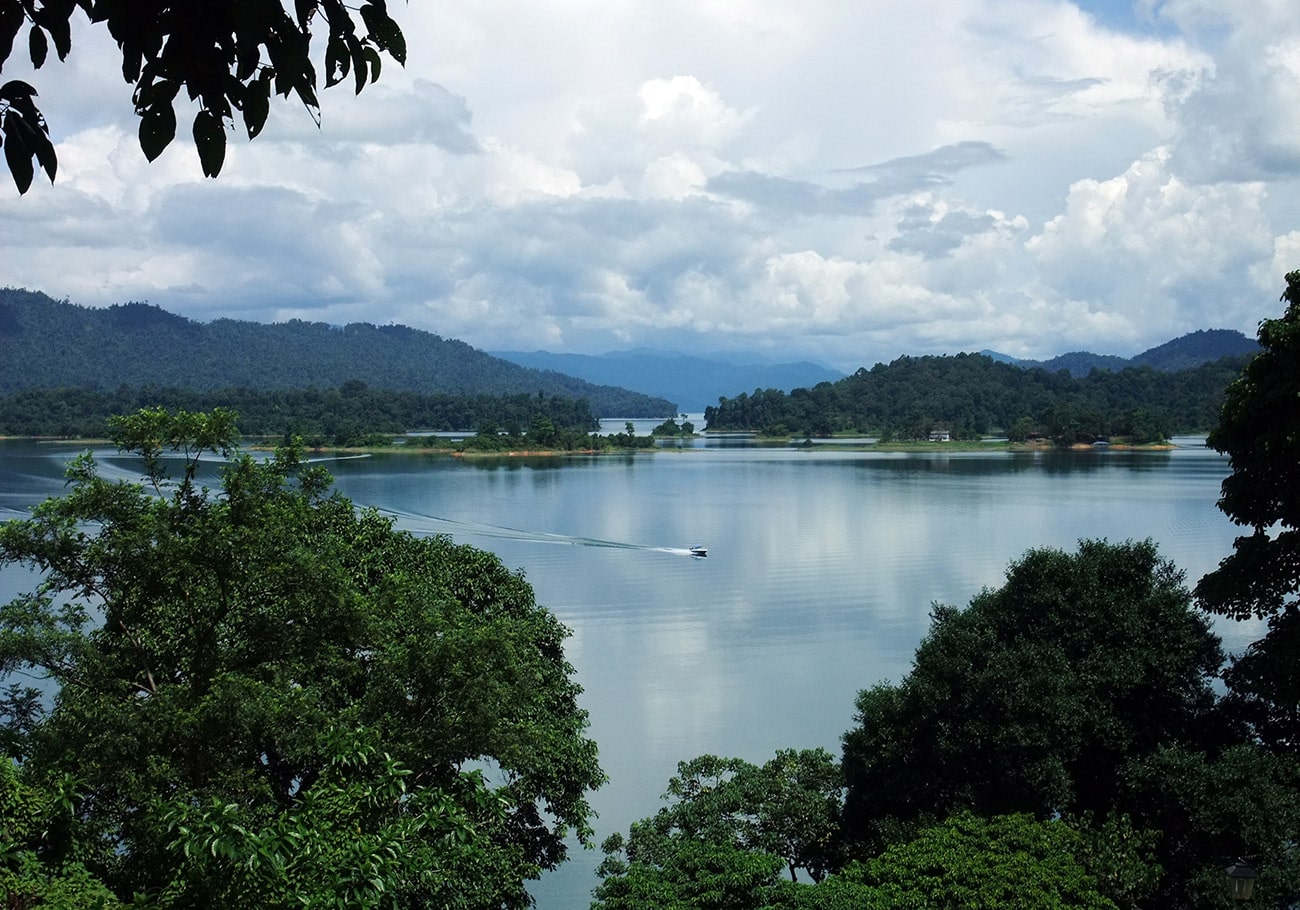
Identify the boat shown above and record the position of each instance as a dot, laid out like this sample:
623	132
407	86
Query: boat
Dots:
699	551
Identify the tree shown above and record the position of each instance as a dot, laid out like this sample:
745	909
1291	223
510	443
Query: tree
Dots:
1020	429
1243	801
1257	430
1036	697
262	688
227	56
798	797
729	829
971	863
690	873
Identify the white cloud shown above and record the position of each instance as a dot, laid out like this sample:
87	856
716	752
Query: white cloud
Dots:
1155	247
847	181
683	113
1230	117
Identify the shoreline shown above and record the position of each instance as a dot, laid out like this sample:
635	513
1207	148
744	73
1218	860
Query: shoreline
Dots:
262	445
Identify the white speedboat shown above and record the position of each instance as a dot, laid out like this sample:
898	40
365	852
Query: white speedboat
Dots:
699	551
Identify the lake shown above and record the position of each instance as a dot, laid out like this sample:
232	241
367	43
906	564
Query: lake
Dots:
821	571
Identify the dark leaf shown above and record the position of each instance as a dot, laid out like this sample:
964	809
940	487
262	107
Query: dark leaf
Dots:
61	31
373	58
157	129
18	158
131	60
305	87
43	148
11	20
38	46
15	91
249	56
257	105
234	95
210	140
160	92
27	135
384	31
337	60
357	54
306	9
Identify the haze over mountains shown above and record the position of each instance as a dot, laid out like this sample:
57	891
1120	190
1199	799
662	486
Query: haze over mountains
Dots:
1181	353
45	343
698	382
693	382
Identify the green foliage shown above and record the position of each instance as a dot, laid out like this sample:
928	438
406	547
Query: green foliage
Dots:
671	427
1035	697
35	870
1020	429
146	356
693	875
971	394
708	857
228	661
370	417
1009	862
1242	801
1258	431
728	830
226	56
358	838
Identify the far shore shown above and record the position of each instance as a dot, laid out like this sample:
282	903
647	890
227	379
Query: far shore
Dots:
264	444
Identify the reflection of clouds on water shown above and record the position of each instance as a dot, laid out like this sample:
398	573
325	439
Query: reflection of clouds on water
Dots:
681	651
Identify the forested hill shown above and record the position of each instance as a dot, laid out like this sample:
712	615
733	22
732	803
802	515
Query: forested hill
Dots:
45	343
1183	353
972	394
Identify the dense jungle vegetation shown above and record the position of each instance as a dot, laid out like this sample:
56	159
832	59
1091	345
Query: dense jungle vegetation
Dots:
351	415
48	344
971	395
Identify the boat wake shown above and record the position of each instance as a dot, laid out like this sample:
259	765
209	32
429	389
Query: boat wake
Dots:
418	523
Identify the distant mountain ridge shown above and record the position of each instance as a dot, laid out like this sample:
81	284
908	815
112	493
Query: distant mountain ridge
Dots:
46	343
1183	353
693	382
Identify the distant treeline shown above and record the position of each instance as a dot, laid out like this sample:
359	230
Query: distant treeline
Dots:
971	395
342	416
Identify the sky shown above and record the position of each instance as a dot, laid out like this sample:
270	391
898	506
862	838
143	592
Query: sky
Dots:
822	179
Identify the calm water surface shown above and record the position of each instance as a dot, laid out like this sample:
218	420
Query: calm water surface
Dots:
821	571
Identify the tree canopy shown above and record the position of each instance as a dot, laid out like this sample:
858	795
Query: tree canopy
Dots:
1261	578
728	830
226	56
1036	697
706	850
262	690
972	394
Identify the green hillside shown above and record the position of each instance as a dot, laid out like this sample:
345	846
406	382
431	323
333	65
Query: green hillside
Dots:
45	344
972	394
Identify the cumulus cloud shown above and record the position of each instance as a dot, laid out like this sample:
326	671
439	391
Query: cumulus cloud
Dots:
1150	244
1231	117
821	179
